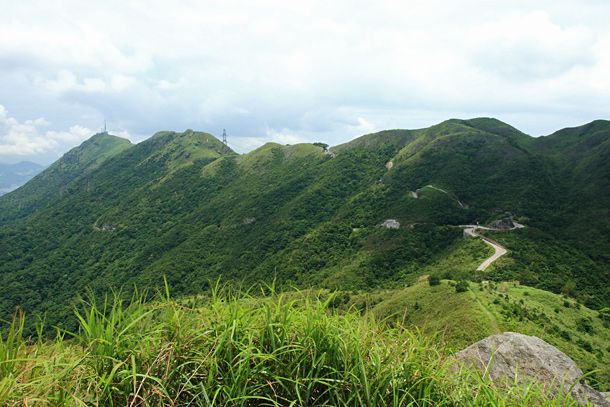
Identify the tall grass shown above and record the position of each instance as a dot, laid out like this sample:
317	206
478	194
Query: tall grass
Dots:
237	350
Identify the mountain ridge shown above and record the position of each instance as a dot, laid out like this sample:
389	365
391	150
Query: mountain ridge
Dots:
55	180
181	207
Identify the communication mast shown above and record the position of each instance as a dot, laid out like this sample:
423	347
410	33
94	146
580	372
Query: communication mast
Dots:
104	132
225	147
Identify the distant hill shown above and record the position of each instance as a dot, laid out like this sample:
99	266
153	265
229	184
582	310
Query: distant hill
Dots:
13	176
54	181
182	206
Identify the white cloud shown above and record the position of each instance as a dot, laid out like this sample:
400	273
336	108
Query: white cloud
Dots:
364	125
27	138
309	69
68	82
530	46
284	136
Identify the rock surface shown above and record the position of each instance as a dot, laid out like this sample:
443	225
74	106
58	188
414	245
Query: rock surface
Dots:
390	223
500	356
502	224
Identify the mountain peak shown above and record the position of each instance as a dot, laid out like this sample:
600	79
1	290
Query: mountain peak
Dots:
54	180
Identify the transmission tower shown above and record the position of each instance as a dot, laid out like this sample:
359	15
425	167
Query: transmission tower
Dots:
225	147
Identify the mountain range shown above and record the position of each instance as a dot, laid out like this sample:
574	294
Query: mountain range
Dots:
184	208
12	176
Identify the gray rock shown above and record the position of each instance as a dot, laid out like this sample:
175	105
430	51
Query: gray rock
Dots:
502	224
500	356
390	223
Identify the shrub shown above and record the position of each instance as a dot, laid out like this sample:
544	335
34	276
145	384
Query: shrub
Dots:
434	280
461	286
584	325
585	345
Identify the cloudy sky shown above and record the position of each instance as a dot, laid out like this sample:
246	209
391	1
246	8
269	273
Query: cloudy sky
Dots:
293	71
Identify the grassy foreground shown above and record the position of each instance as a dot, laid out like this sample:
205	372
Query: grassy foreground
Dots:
238	350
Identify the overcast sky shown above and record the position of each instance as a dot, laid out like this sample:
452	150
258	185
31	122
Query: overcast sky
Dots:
293	71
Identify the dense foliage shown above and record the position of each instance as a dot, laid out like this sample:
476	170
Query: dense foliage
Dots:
55	181
180	205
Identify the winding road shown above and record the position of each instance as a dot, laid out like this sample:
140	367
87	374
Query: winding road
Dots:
470	230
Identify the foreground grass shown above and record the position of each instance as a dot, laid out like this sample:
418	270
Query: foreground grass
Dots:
239	351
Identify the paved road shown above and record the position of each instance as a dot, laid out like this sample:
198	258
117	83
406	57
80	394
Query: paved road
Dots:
499	250
471	231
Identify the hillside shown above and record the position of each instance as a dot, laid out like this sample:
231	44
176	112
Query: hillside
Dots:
180	206
581	154
462	318
55	181
298	347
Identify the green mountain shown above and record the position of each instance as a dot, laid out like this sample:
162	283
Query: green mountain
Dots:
56	180
182	206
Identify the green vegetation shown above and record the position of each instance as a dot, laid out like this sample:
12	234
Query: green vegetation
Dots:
238	350
575	330
180	206
544	261
462	318
55	181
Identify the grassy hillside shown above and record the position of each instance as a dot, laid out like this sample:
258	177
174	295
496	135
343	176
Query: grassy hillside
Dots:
462	318
581	154
181	207
233	348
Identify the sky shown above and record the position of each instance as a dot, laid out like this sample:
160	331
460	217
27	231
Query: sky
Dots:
293	71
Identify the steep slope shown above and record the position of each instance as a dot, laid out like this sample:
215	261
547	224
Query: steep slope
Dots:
179	206
489	171
56	180
581	154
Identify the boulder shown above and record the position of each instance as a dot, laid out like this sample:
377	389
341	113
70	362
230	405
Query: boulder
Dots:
502	224
390	223
503	356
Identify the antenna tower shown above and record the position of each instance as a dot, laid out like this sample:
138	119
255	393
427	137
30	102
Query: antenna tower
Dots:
225	147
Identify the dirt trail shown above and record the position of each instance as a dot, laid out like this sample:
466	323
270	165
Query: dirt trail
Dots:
449	195
492	319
